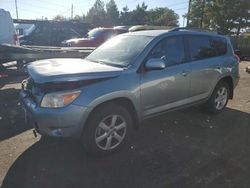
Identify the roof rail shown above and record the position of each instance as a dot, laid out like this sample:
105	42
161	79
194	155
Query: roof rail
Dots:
178	29
191	29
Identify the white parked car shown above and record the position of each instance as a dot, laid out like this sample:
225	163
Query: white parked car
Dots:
7	29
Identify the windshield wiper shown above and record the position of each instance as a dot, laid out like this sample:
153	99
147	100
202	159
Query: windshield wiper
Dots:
106	63
96	61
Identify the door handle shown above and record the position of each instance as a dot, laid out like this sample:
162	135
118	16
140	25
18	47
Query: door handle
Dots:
184	73
218	67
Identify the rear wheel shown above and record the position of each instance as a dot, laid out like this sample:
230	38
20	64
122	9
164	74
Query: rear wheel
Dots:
218	100
107	129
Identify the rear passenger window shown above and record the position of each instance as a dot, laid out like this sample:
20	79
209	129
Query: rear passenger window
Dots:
200	47
220	45
172	49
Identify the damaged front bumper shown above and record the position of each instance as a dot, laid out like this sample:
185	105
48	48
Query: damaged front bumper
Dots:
57	122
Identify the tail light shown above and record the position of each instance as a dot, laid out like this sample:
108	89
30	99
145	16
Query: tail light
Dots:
237	58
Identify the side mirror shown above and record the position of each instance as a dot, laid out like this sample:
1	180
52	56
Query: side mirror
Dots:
155	64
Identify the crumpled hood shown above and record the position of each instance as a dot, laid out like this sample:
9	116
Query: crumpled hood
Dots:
70	69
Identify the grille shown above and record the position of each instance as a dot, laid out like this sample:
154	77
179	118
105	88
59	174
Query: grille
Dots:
29	87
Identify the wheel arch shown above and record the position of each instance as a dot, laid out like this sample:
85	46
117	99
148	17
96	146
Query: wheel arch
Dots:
229	81
124	102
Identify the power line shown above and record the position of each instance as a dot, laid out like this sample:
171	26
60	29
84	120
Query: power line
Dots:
180	3
72	8
35	11
52	3
168	6
40	7
180	8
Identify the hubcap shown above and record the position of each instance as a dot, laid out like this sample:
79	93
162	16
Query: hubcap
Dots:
221	98
110	132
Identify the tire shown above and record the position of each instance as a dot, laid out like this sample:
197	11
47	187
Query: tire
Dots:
219	98
106	130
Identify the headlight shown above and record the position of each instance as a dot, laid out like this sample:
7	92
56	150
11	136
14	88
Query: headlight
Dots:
60	99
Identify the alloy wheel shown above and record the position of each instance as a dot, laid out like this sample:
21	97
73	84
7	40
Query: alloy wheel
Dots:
221	98
110	132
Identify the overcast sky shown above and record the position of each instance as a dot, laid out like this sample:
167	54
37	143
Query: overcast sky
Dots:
33	9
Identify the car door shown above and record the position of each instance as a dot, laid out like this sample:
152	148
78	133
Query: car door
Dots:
205	65
168	88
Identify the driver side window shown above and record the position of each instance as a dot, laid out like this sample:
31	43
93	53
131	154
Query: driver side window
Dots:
171	50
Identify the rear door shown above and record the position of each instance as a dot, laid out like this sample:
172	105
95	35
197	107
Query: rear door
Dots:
205	64
168	88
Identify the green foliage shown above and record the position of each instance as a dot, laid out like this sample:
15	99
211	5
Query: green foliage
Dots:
112	13
195	14
97	14
163	17
124	16
221	15
59	18
139	16
156	16
80	18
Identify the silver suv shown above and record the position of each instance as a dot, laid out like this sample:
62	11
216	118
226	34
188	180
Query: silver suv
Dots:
129	78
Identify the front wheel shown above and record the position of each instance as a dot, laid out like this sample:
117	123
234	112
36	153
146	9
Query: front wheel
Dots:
106	129
219	98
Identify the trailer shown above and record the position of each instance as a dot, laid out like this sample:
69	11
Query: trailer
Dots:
25	54
50	32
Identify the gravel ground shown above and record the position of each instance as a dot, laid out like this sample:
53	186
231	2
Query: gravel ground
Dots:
187	148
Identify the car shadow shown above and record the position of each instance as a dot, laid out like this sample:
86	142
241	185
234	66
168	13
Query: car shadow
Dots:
11	114
187	148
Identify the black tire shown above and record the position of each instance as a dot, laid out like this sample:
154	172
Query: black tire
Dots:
211	104
92	130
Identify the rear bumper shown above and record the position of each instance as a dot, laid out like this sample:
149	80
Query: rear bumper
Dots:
58	122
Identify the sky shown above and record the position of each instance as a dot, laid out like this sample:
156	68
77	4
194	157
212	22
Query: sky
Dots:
38	9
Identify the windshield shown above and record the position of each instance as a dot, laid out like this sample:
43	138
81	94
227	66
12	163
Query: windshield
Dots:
120	50
94	33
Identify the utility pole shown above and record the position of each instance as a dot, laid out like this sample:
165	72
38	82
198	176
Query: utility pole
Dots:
202	12
72	11
16	9
188	14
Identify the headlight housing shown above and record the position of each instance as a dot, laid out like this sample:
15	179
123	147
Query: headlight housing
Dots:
59	99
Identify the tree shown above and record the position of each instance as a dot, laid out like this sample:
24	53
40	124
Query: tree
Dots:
163	17
125	16
139	15
221	15
195	13
112	13
229	15
96	14
59	18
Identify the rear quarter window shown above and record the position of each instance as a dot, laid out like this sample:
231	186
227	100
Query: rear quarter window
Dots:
220	45
200	47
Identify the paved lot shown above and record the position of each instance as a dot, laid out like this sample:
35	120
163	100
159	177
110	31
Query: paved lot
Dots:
188	148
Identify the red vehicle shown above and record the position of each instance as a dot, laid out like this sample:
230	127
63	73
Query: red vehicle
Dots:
95	37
